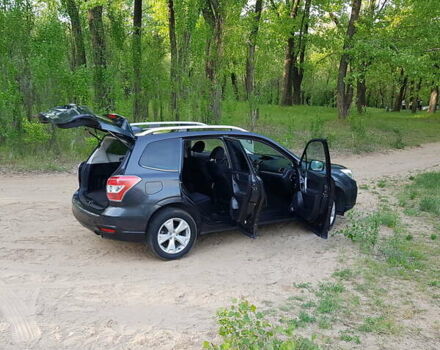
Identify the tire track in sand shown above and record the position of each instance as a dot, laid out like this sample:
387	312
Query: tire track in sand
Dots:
15	311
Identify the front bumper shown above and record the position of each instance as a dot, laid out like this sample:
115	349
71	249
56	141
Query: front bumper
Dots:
351	196
127	228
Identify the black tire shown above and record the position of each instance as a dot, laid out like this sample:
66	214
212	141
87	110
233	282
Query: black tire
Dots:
156	227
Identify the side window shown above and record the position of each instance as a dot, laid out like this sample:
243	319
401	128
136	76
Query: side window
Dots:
259	148
208	144
270	157
162	155
238	157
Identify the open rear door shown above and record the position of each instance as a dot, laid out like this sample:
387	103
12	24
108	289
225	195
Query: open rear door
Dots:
248	191
315	199
72	116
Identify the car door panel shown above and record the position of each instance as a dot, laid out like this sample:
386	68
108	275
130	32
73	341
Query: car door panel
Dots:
316	189
247	187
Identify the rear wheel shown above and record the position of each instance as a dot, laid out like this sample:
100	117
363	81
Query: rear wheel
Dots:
171	233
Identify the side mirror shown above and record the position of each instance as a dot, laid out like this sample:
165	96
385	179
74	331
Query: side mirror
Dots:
316	165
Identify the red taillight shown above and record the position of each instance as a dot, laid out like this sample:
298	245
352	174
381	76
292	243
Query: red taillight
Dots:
118	186
107	230
112	116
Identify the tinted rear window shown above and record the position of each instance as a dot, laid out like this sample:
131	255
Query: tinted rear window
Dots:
162	155
117	147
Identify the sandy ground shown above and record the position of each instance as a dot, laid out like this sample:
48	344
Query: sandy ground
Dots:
62	287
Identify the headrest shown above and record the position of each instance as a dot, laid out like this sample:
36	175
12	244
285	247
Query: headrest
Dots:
198	147
217	153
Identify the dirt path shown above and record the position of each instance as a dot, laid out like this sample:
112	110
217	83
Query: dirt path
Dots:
392	163
63	287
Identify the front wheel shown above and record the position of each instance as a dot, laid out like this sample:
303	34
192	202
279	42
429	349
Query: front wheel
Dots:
171	233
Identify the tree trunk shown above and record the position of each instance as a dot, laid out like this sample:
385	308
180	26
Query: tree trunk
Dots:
250	64
235	86
415	96
174	61
79	52
298	69
344	89
361	95
433	100
101	86
139	108
250	60
289	60
401	93
212	12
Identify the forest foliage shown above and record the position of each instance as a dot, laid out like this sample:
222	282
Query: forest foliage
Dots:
187	59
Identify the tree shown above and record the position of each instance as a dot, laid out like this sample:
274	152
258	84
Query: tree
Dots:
213	13
289	61
403	80
101	83
139	106
250	62
345	89
79	52
433	99
174	60
298	67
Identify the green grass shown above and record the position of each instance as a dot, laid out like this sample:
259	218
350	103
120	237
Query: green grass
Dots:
422	194
41	152
376	130
291	126
242	326
397	263
378	324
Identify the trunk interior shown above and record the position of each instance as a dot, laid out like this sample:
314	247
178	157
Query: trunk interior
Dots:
101	165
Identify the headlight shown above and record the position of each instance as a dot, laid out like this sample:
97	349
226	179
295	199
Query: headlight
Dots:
347	172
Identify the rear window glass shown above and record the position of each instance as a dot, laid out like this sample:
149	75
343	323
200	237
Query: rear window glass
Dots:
117	147
162	155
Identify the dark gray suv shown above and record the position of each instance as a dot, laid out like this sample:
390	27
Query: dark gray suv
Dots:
168	182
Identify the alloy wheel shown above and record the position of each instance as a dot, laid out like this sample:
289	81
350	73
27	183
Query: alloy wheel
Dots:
174	235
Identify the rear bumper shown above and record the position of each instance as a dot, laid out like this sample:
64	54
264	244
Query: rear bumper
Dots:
126	227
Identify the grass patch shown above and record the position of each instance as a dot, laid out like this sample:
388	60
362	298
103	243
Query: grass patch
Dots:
349	337
345	274
291	126
242	327
379	325
375	130
422	195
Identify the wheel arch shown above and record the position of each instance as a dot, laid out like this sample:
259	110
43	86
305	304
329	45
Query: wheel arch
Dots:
177	203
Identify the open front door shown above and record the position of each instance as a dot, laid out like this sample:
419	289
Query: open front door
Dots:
315	199
248	191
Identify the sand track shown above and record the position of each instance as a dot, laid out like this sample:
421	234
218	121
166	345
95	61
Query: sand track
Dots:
61	286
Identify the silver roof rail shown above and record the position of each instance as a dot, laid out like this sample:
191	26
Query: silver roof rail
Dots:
189	128
157	124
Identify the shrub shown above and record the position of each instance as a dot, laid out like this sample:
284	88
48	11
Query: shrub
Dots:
242	327
364	230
